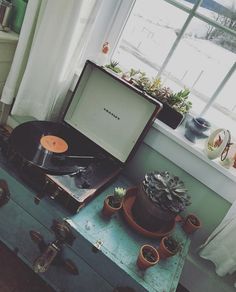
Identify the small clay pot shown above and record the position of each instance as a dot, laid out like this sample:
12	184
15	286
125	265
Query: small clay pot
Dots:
108	210
191	224
148	257
163	250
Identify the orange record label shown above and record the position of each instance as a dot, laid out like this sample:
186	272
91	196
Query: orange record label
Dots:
54	144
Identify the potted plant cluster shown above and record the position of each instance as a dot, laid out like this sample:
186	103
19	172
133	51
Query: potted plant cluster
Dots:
148	257
113	66
159	199
169	246
113	203
175	105
191	224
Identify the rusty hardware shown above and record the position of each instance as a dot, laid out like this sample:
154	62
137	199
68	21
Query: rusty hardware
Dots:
97	246
71	267
4	192
51	254
63	231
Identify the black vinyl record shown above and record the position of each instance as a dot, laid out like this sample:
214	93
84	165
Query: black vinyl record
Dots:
48	145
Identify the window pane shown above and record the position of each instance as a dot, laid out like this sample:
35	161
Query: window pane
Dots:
201	63
148	36
222	11
223	111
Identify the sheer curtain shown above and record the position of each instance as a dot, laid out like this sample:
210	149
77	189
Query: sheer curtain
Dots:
52	41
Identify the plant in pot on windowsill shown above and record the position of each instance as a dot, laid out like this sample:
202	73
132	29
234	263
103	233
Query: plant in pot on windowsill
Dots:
175	105
113	203
168	247
113	66
159	199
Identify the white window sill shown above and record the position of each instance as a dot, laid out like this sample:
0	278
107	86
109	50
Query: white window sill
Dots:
191	157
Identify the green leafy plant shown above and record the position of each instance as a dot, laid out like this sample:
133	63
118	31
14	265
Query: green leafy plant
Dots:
179	101
114	66
166	191
117	197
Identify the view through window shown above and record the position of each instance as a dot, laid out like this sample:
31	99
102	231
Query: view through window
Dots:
188	43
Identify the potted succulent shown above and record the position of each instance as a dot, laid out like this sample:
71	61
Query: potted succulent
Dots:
113	66
113	203
191	224
148	257
159	199
175	105
169	246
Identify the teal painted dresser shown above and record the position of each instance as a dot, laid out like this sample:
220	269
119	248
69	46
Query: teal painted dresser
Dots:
97	254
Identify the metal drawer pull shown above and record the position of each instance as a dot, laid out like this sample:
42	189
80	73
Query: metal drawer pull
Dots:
4	192
43	262
51	254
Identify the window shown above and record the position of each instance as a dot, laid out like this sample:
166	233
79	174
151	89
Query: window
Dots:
188	43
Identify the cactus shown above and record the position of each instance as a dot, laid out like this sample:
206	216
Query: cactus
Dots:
117	197
166	191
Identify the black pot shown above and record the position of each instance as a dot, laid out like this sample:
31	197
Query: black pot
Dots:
149	215
170	116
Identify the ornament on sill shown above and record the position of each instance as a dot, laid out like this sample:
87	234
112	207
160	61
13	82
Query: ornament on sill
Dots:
218	144
230	157
103	54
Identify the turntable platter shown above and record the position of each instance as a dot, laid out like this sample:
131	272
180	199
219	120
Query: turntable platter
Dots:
42	142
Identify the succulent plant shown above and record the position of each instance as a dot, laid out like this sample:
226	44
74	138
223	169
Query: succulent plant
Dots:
114	66
180	102
117	197
164	94
166	191
172	244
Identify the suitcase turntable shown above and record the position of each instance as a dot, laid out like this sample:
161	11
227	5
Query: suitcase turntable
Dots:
73	160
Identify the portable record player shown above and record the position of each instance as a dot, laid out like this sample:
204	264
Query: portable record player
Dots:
102	127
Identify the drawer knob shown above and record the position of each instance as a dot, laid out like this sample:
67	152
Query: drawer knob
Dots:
63	232
4	192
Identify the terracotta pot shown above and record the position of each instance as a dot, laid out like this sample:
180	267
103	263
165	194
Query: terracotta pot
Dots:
189	226
163	251
150	216
107	209
142	262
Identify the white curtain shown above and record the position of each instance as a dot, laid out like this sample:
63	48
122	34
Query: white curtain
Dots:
52	40
220	246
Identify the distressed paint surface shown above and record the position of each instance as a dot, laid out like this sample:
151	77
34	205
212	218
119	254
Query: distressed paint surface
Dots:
121	244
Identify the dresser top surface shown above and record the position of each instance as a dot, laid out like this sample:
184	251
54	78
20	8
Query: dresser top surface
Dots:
121	244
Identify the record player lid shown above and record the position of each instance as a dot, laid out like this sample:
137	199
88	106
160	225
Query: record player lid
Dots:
110	112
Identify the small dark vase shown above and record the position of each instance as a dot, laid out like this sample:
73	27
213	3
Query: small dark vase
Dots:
196	128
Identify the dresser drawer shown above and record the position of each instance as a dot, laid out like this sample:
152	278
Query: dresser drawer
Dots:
15	225
45	211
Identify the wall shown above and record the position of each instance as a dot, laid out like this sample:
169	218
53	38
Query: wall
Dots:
198	274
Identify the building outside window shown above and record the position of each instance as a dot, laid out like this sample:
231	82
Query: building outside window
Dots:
188	43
